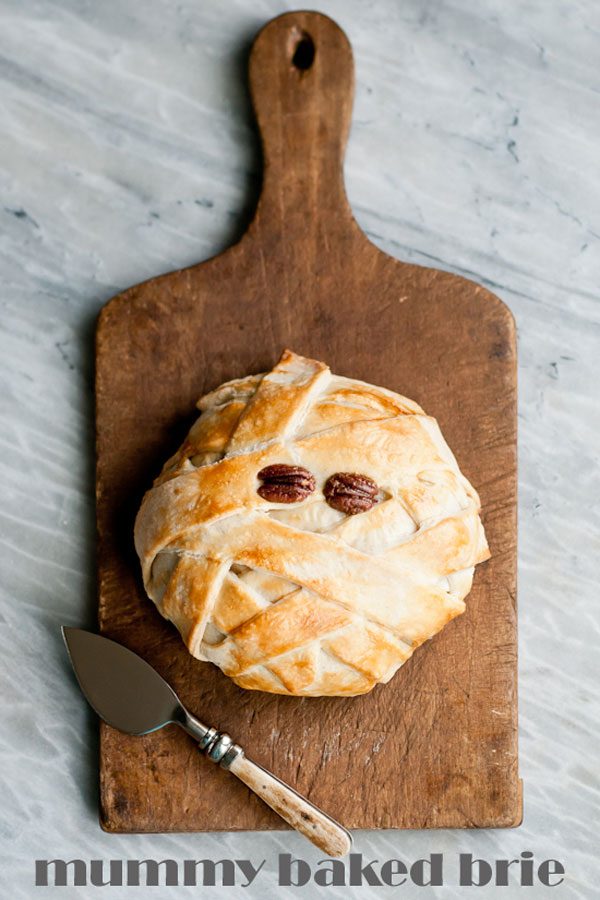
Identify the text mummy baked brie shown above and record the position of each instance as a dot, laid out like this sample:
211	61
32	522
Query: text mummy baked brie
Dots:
310	533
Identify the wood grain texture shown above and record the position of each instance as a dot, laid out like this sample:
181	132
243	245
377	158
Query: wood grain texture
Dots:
437	746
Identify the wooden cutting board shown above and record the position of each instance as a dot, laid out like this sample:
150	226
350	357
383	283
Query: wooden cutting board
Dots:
437	746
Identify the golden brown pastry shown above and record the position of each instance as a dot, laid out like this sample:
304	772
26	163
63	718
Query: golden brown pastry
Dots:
310	533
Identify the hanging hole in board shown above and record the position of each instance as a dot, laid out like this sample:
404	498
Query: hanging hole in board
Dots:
304	52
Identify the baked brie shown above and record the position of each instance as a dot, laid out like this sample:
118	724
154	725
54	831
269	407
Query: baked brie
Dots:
310	533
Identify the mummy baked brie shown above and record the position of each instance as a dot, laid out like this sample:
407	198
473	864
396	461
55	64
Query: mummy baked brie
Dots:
310	533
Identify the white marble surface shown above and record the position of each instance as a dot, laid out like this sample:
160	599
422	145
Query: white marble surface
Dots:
127	150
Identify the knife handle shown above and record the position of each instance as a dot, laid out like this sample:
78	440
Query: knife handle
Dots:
323	831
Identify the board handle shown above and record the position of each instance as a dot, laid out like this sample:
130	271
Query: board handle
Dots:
301	75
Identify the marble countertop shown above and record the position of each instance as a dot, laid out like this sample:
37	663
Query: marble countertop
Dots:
128	150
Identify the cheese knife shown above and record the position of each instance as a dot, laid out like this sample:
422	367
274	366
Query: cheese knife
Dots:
131	696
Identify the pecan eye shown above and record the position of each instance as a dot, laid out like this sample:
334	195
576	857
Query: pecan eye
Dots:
351	493
285	484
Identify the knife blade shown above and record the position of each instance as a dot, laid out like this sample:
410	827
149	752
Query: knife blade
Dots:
131	696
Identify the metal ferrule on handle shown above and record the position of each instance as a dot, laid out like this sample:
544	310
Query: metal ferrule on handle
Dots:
215	745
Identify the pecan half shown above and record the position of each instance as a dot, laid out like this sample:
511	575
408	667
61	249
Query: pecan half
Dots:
285	484
351	493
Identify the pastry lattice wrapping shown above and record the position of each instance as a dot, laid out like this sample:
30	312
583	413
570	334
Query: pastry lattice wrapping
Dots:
300	598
